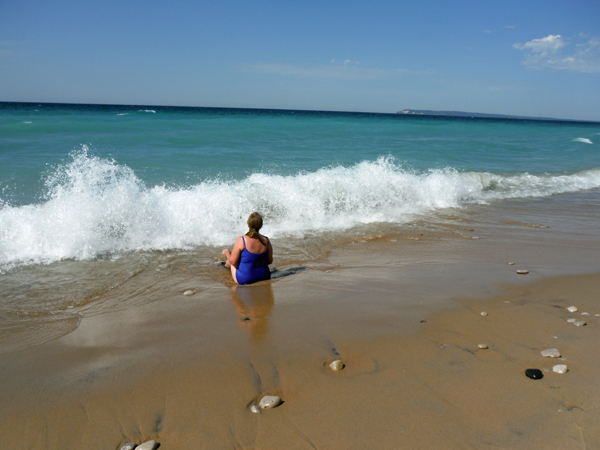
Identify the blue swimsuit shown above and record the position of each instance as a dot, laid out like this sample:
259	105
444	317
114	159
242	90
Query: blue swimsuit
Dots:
253	267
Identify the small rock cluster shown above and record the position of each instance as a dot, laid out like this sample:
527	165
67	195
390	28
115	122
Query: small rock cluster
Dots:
554	353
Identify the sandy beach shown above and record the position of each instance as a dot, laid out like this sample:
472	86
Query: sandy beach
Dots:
403	313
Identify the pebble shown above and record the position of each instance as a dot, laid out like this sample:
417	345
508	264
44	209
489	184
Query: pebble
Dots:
522	272
580	323
444	346
585	314
550	353
128	446
255	409
269	401
188	293
511	263
572	309
483	313
148	445
571	320
328	271
336	365
482	346
597	315
534	374
560	368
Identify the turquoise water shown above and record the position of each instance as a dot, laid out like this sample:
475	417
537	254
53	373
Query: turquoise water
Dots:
101	203
78	181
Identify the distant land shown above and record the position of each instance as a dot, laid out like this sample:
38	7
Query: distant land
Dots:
425	112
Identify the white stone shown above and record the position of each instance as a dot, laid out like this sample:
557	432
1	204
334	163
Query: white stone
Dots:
483	313
522	272
550	353
269	401
571	320
188	293
336	365
579	323
585	314
482	346
560	368
148	445
128	446
572	309
255	409
511	263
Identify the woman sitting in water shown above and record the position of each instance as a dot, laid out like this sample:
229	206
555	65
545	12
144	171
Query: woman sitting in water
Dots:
249	261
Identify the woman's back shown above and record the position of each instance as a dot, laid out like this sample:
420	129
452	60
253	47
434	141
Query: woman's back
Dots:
254	265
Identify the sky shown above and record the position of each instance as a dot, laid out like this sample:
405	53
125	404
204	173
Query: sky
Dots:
527	58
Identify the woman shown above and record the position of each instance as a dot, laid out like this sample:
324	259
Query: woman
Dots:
249	261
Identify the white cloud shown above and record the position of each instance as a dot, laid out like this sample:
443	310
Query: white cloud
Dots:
553	52
550	44
348	70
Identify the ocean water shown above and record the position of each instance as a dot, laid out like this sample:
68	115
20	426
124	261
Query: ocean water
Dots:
92	195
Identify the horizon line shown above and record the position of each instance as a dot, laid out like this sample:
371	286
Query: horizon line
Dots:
400	113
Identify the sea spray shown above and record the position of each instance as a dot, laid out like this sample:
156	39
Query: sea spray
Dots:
96	206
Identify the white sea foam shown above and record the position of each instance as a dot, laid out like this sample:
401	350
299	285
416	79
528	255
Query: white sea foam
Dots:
584	140
122	114
147	110
26	121
95	206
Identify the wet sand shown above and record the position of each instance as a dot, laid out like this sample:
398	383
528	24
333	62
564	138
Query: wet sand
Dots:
402	313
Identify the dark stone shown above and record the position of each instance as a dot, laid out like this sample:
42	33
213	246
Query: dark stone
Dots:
245	319
423	321
534	374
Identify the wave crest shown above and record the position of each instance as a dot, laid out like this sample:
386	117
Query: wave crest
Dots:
95	206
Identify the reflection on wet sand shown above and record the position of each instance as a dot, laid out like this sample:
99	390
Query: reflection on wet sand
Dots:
253	305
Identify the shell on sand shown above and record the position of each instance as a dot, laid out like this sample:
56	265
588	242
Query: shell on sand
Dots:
148	445
560	368
336	365
269	401
550	353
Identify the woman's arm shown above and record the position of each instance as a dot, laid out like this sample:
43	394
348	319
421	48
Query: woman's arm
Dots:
234	256
270	250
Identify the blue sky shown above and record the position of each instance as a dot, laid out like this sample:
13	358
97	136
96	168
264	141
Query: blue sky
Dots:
535	58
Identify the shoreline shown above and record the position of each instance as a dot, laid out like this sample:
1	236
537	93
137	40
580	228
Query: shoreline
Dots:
402	313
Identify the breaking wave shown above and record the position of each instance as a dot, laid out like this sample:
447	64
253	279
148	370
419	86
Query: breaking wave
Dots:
95	206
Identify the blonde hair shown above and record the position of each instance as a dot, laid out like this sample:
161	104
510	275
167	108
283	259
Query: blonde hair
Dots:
255	222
